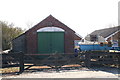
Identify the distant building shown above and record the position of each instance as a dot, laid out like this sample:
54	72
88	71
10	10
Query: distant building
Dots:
105	35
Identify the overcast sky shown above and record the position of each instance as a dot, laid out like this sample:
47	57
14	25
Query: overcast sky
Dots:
83	16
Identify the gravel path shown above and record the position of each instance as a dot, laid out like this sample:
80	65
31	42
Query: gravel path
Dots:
76	73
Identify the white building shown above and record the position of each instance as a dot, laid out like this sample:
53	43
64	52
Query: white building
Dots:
105	35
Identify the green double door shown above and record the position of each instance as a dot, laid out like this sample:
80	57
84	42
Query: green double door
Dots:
50	42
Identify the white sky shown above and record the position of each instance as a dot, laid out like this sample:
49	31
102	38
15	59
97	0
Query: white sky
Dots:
83	16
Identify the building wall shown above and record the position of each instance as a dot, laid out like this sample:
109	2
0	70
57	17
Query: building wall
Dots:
101	39
87	38
19	44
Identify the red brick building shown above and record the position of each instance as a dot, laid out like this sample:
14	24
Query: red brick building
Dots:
29	41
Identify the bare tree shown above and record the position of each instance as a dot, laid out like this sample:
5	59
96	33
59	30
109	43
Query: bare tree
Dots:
29	24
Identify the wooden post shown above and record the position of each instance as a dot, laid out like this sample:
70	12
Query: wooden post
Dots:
56	62
87	59
21	58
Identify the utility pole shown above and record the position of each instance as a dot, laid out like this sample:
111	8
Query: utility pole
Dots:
119	23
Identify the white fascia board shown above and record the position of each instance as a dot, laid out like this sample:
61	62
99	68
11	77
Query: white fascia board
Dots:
111	35
50	29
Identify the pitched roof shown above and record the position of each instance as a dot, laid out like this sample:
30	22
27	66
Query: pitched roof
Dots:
50	19
106	32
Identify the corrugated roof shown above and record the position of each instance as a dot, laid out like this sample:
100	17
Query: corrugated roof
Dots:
106	32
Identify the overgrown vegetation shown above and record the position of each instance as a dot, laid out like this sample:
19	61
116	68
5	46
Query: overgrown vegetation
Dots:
9	32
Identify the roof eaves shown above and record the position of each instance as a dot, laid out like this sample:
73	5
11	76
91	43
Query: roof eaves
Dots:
78	35
111	35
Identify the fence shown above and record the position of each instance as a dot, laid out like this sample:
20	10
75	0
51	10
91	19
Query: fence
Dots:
87	59
101	58
12	60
